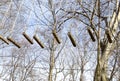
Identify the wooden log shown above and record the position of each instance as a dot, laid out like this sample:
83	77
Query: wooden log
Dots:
14	42
102	46
28	38
3	39
38	41
56	37
108	36
91	34
72	39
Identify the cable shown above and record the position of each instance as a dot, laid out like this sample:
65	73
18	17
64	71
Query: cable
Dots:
29	16
3	19
16	17
53	68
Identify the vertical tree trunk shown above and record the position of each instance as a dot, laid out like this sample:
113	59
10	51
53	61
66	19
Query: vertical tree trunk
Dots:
81	75
52	55
51	61
102	59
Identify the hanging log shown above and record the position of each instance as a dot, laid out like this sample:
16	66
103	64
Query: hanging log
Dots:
108	36
72	39
55	36
27	37
3	39
91	34
38	41
14	42
102	45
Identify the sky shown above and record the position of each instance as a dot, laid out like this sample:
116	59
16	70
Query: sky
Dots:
35	23
33	26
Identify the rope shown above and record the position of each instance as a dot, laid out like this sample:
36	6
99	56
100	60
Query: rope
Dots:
29	16
12	28
4	18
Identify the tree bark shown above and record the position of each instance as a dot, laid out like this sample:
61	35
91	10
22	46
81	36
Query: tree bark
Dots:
51	61
102	59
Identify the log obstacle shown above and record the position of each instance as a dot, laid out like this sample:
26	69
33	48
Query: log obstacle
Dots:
72	39
56	36
91	34
3	39
38	41
107	32
28	38
14	42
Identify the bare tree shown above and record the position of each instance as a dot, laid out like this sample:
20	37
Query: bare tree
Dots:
52	20
96	16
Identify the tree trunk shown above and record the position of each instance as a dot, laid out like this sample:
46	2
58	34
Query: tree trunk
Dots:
81	75
51	62
102	59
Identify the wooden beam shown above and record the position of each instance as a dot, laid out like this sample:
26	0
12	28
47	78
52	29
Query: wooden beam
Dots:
38	41
72	39
55	36
3	39
91	34
107	32
14	42
28	38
